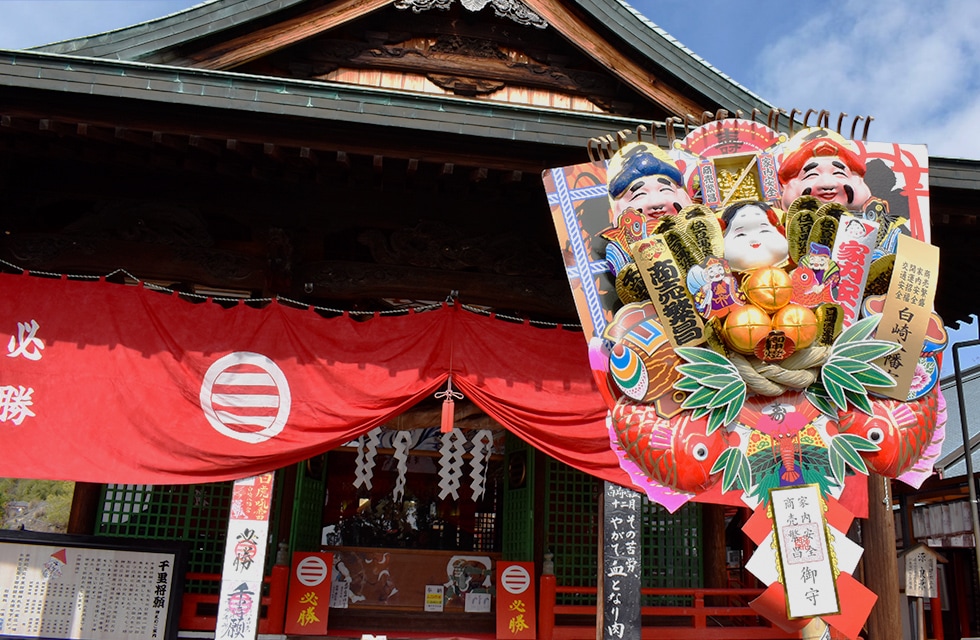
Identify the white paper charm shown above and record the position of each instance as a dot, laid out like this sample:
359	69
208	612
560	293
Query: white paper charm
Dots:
451	463
482	445
403	442
367	450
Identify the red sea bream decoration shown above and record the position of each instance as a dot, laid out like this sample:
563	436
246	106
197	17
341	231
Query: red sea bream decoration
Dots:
759	317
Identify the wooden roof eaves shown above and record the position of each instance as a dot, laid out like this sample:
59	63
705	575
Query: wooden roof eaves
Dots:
146	40
656	44
67	75
142	41
238	51
244	49
166	84
954	173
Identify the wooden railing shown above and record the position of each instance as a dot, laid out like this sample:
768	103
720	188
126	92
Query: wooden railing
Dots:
735	621
199	611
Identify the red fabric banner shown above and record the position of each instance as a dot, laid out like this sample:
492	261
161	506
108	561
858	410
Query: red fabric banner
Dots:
109	383
308	599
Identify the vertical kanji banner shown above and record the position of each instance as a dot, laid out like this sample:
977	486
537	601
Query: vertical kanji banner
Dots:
244	564
622	563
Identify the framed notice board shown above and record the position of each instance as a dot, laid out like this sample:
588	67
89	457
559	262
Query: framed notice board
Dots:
86	588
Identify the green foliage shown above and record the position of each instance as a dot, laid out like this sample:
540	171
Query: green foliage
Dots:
844	450
5	486
735	469
55	494
716	389
849	370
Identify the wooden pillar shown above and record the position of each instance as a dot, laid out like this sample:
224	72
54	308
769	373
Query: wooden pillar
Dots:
961	566
84	505
713	548
880	564
936	610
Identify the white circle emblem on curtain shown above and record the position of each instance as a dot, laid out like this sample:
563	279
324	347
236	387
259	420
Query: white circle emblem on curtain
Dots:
245	396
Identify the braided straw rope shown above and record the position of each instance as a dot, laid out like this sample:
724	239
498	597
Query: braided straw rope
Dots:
798	371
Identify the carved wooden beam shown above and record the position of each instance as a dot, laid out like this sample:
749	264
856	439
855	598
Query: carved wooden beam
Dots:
441	67
53	126
204	144
212	136
170	141
139	138
91	132
244	149
238	51
309	155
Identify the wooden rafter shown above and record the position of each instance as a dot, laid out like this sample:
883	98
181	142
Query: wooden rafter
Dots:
585	38
222	138
238	51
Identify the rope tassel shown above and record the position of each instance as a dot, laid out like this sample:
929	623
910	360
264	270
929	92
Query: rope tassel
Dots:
448	406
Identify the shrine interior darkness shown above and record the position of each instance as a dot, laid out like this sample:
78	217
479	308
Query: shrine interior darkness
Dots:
350	230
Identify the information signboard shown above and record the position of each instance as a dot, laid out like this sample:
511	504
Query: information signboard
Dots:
621	564
60	586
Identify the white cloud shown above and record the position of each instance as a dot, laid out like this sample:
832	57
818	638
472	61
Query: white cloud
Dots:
914	66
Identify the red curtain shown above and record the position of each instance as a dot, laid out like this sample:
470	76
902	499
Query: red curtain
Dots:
109	383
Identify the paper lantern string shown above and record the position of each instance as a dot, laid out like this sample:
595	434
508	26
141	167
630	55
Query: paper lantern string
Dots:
448	405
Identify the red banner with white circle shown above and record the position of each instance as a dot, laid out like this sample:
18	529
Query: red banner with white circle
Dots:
308	602
516	618
103	382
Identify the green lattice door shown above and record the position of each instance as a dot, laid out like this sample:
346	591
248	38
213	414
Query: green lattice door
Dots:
518	526
196	514
671	556
671	551
307	516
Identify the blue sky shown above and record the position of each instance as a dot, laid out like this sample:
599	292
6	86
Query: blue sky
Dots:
914	66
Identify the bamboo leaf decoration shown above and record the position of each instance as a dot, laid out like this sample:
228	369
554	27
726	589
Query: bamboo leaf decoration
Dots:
849	371
715	388
844	452
736	473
